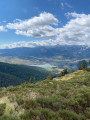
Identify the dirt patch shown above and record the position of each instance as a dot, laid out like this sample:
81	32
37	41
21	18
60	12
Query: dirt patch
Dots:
32	95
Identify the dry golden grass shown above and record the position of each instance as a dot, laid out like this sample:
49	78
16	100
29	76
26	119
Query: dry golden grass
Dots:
68	76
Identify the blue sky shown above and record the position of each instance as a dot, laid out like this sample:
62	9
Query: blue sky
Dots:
33	19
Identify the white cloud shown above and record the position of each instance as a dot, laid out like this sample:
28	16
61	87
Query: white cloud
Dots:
76	31
62	4
40	26
2	28
68	5
31	44
16	44
65	5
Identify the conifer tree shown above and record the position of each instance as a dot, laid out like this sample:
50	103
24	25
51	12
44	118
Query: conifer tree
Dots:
83	65
50	77
31	80
89	61
64	72
72	71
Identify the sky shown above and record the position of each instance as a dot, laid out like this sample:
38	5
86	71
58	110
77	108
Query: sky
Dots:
31	23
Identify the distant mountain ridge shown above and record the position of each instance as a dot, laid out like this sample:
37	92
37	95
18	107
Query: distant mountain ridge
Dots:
64	56
64	51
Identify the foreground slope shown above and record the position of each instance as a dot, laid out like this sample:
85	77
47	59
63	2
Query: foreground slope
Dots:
63	98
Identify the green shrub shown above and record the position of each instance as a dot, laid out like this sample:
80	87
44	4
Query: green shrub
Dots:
30	104
45	102
64	93
30	115
20	101
47	114
50	77
43	114
87	113
2	109
9	117
88	69
11	88
80	100
70	115
54	103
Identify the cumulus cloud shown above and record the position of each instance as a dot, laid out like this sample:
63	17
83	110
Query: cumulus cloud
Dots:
16	44
31	44
40	27
76	31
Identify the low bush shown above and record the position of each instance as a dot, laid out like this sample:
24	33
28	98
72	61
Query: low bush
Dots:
54	103
30	104
9	117
43	114
70	115
30	115
2	109
20	101
87	112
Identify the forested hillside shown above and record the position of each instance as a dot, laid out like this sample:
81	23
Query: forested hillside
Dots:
16	74
7	80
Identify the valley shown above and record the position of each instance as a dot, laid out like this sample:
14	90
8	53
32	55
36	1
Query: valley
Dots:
57	57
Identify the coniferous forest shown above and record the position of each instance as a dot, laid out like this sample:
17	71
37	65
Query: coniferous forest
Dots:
11	74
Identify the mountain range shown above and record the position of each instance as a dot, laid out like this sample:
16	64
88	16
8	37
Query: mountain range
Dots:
65	51
60	56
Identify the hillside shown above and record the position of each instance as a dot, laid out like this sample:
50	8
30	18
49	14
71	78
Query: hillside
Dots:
11	74
63	98
7	80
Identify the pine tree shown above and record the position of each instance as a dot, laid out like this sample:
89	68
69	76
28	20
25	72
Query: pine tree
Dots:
50	77
83	65
72	71
89	61
31	80
64	72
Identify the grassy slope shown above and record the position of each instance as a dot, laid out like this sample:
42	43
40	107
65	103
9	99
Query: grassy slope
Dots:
64	98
